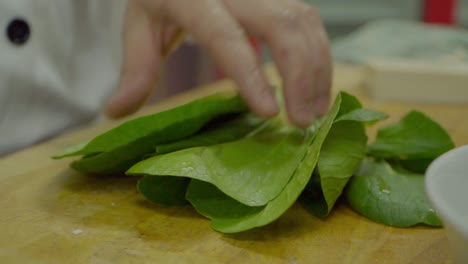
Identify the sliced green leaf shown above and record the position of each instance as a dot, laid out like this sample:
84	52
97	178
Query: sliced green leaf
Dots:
341	154
164	190
245	219
215	132
389	196
252	170
118	149
415	137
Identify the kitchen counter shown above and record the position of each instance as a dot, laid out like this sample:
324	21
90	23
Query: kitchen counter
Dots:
52	214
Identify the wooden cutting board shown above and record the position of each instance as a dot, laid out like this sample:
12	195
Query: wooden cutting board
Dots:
51	214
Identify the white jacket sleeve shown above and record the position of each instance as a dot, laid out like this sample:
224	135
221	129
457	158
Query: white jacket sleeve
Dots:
59	62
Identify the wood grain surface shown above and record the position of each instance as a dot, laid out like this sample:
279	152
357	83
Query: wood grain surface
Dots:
52	214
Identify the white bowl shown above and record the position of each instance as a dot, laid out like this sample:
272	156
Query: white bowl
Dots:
447	189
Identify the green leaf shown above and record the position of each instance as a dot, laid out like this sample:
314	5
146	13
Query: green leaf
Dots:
415	137
349	104
71	151
415	165
116	161
215	133
389	196
341	154
164	190
363	115
252	170
242	220
210	202
118	149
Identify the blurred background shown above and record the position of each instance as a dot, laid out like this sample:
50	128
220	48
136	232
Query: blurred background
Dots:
369	25
343	16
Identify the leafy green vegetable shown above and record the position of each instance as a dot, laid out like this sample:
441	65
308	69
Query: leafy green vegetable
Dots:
351	110
196	113
395	196
362	115
71	151
243	172
215	133
415	137
118	149
350	104
388	196
164	190
341	153
245	219
212	203
252	170
416	165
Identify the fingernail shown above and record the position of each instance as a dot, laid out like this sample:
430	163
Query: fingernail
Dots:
303	115
268	102
263	98
320	105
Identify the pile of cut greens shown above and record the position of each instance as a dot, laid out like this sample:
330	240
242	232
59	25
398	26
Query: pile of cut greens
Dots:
244	172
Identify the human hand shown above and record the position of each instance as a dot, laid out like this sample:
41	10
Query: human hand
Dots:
292	29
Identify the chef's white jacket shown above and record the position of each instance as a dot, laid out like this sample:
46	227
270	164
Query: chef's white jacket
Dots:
59	62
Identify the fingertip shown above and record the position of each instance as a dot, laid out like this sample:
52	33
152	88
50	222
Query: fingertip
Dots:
131	95
321	105
257	93
321	101
304	110
114	108
304	115
267	105
268	110
301	116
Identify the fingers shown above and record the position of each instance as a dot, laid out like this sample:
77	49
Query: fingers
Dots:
319	43
214	28
140	65
299	47
172	36
294	58
292	29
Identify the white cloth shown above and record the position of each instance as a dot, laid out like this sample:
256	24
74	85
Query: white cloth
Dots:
67	69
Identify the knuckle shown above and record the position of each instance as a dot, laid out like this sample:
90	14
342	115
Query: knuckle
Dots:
230	40
323	43
212	34
292	18
324	48
310	12
312	15
156	7
288	19
225	36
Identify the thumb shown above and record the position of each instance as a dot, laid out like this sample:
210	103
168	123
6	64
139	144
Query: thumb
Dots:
141	63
